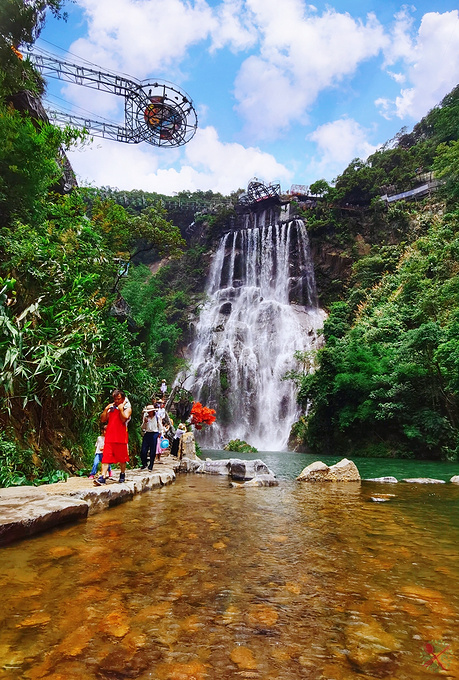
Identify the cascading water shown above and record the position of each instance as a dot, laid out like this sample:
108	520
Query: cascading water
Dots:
261	307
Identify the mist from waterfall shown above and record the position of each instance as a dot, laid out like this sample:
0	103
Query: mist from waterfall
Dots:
261	307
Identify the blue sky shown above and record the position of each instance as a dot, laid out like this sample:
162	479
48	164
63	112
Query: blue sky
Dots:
285	91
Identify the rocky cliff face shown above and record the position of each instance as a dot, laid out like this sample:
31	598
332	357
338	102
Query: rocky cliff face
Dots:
29	103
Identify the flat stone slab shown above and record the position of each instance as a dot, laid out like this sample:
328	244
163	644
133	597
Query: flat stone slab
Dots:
383	480
21	517
423	480
28	510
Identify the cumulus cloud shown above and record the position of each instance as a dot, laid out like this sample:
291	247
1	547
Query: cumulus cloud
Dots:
205	163
431	60
338	142
301	54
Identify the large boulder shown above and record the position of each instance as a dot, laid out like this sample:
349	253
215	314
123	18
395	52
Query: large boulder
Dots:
244	470
344	471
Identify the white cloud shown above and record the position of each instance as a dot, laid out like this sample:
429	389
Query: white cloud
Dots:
142	37
205	163
338	143
431	61
300	55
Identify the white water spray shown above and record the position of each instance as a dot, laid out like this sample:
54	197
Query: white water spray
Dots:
261	308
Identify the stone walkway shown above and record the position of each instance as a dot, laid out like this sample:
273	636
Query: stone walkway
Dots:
28	510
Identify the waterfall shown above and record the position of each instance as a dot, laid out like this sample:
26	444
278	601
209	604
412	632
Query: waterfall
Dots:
261	307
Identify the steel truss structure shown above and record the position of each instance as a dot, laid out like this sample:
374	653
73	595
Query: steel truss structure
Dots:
157	112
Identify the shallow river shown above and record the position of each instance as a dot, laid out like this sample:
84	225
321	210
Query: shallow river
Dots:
202	581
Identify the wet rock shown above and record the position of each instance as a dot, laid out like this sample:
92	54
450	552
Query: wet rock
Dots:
243	657
344	471
241	472
370	647
259	480
382	497
423	480
383	480
25	511
455	479
190	465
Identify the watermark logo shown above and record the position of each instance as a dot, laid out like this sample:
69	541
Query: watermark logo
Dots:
436	655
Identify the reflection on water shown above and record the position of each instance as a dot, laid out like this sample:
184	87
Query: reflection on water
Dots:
200	581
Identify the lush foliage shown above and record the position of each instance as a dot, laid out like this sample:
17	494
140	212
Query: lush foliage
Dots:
239	446
20	24
66	338
388	376
386	382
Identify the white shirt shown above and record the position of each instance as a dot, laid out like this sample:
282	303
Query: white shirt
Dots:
151	424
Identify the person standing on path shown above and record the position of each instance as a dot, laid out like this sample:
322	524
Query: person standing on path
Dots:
117	416
152	427
163	388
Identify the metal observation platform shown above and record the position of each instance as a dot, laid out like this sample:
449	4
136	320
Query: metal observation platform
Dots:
155	112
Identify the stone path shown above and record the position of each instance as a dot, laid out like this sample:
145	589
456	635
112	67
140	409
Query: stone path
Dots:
28	510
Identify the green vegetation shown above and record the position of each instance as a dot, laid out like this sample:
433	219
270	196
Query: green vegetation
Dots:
66	338
239	446
387	380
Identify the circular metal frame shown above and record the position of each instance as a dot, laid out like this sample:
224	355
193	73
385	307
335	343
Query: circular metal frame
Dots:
163	115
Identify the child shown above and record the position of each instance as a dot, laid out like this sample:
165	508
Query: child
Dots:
178	434
98	453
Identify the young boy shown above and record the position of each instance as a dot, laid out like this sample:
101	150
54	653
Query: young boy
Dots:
98	453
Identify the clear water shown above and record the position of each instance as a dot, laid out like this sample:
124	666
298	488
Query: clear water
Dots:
200	581
288	465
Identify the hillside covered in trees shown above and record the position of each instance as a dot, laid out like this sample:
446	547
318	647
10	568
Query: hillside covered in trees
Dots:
387	381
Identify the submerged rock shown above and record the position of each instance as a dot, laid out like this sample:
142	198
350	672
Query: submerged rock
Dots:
382	497
344	471
384	480
423	480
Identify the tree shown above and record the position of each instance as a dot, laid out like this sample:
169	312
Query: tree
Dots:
20	24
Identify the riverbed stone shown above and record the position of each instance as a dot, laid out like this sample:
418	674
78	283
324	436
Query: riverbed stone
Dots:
455	479
383	480
344	471
423	480
382	497
259	480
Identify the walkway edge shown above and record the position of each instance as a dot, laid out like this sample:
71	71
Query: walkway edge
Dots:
28	510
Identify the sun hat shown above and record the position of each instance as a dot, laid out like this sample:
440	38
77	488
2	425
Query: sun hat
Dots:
150	407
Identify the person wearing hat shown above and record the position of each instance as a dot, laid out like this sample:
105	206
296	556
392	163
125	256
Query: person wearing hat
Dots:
152	427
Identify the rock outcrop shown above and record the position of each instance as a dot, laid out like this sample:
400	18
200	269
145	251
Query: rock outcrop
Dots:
240	472
344	471
188	445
